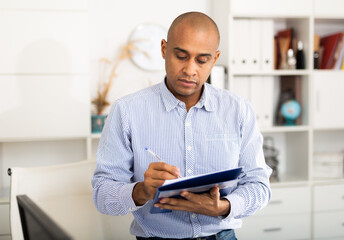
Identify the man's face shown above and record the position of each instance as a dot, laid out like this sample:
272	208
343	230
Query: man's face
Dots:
189	57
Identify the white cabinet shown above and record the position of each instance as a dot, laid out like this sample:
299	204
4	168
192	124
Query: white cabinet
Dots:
328	98
288	209
44	106
328	206
321	129
276	227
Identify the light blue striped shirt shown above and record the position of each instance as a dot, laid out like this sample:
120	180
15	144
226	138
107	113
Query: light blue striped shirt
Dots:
219	132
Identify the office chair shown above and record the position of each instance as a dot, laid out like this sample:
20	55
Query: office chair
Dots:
64	192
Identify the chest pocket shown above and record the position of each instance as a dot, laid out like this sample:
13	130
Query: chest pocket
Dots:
222	151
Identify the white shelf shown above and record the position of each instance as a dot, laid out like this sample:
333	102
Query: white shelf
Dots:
275	73
39	139
273	16
286	129
328	181
331	17
329	128
95	135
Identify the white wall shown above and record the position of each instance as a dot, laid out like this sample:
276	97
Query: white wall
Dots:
46	48
112	22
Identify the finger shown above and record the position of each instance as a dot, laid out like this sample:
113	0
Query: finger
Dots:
175	204
164	167
194	198
155	183
215	192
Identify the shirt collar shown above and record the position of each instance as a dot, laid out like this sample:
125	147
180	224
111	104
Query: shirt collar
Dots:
171	102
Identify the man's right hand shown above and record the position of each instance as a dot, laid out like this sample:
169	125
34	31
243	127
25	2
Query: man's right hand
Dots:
154	177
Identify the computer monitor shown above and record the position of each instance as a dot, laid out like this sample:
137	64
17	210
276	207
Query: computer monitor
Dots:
36	224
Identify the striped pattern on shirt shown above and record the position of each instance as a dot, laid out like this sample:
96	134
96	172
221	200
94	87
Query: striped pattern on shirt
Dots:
219	132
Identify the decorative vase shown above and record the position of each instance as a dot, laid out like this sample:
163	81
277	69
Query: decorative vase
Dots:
98	122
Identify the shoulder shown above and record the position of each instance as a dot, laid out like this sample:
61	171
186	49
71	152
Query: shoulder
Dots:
223	97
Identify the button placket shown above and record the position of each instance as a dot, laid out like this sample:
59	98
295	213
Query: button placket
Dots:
189	151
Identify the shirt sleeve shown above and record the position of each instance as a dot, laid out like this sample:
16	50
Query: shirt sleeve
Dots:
253	191
112	186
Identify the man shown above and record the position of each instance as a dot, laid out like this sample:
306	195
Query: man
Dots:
195	128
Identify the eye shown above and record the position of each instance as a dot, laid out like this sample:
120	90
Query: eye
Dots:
181	57
202	60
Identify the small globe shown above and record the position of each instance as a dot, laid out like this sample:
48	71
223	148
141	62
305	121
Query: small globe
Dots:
290	110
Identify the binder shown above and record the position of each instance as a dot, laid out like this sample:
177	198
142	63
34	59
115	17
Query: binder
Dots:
267	45
259	91
339	54
225	180
241	42
268	100
256	93
254	45
329	44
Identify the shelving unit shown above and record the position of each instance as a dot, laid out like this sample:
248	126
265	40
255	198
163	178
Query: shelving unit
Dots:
322	118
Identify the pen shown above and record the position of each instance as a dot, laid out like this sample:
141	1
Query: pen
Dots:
156	156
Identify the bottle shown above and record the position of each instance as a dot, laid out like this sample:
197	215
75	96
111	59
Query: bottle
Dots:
300	56
291	59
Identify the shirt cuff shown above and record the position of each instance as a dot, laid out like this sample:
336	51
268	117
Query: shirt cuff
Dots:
126	195
237	205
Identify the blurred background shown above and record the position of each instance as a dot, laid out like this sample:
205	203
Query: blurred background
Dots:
64	62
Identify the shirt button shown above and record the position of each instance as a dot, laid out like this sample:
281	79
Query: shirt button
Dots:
187	124
189	148
181	104
193	216
189	171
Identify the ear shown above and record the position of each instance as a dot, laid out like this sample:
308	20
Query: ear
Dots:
217	55
163	48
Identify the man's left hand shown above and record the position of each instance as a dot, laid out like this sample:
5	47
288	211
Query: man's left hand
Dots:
208	204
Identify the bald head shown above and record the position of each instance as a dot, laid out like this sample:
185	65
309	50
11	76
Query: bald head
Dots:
197	20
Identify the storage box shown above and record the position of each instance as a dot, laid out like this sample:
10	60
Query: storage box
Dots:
328	165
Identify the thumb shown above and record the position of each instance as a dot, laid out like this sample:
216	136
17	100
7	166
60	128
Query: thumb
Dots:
215	192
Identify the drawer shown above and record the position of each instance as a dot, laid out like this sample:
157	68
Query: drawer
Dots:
4	219
329	197
273	227
294	200
328	225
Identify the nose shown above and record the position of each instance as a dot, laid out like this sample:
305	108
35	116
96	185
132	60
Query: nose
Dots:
190	68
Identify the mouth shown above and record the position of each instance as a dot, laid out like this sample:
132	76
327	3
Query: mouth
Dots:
187	83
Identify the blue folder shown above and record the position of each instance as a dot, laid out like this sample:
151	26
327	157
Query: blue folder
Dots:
225	180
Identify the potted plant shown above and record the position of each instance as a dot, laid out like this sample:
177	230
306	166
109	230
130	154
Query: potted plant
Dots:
100	101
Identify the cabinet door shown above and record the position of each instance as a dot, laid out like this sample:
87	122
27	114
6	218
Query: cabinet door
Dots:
276	227
329	197
328	225
283	201
328	99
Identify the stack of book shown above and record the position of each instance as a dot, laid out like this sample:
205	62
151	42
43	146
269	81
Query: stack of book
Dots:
331	52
